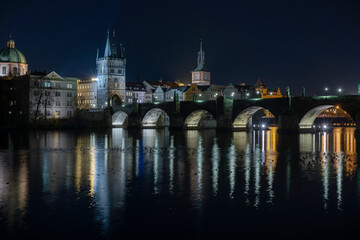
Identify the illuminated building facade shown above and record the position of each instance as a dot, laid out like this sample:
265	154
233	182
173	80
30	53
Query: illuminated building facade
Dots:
87	94
52	96
265	92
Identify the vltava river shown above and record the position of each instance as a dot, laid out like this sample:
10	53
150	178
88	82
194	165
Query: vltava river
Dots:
179	184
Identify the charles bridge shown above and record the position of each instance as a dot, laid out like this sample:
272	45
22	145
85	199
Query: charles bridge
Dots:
291	114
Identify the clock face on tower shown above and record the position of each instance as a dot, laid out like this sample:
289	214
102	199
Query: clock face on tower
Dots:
197	76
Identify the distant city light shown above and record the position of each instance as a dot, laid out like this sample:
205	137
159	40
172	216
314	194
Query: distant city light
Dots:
232	94
95	79
257	92
247	94
326	89
324	126
340	90
263	125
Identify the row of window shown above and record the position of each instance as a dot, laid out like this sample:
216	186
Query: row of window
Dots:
57	103
83	86
48	84
57	94
15	70
86	101
86	94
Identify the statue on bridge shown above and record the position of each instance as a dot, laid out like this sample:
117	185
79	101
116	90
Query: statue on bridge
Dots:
289	95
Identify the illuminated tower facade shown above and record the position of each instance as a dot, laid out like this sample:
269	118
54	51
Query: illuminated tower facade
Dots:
111	74
201	76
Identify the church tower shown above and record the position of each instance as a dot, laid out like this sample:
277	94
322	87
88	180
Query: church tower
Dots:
200	75
111	74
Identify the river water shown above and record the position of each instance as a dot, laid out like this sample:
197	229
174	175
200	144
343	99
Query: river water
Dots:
167	184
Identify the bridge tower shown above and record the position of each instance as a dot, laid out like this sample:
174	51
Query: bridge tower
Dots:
200	75
111	74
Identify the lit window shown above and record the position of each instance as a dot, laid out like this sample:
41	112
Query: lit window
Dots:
3	70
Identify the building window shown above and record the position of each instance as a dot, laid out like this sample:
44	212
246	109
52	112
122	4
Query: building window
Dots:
69	113
47	93
116	83
112	71
3	70
69	85
119	71
57	103
57	85
58	113
68	103
47	113
69	94
15	71
47	84
57	94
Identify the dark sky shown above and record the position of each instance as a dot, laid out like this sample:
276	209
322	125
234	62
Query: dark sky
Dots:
297	43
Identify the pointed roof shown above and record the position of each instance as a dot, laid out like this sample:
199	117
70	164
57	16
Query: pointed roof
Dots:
259	83
53	75
201	59
110	47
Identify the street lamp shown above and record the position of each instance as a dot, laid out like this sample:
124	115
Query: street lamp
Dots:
340	90
326	91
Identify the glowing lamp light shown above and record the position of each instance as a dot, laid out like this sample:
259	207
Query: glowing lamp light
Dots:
263	125
247	94
324	126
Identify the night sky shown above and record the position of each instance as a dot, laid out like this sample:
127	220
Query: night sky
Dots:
309	44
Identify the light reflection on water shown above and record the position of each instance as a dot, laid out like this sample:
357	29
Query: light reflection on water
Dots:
110	172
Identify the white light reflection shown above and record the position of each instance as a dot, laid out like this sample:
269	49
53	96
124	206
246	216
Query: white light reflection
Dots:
257	166
325	169
215	167
247	170
156	165
171	165
199	160
232	168
339	179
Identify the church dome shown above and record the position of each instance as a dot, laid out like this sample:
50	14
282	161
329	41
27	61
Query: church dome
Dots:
11	54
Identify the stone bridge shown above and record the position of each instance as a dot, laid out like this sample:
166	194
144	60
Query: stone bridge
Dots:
232	114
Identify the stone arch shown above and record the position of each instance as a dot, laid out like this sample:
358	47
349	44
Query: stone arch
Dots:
155	118
308	119
200	119
243	119
115	100
119	119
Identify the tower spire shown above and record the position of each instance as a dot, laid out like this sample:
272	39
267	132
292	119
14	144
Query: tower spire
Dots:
201	58
107	52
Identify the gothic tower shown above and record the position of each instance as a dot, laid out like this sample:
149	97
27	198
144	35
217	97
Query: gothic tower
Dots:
200	75
111	74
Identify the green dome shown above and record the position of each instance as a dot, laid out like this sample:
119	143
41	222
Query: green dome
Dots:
11	54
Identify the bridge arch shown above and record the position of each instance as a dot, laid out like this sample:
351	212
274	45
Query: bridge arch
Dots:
308	119
155	118
243	120
120	119
200	119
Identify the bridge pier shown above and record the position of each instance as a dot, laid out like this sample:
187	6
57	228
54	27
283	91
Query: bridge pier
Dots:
289	121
